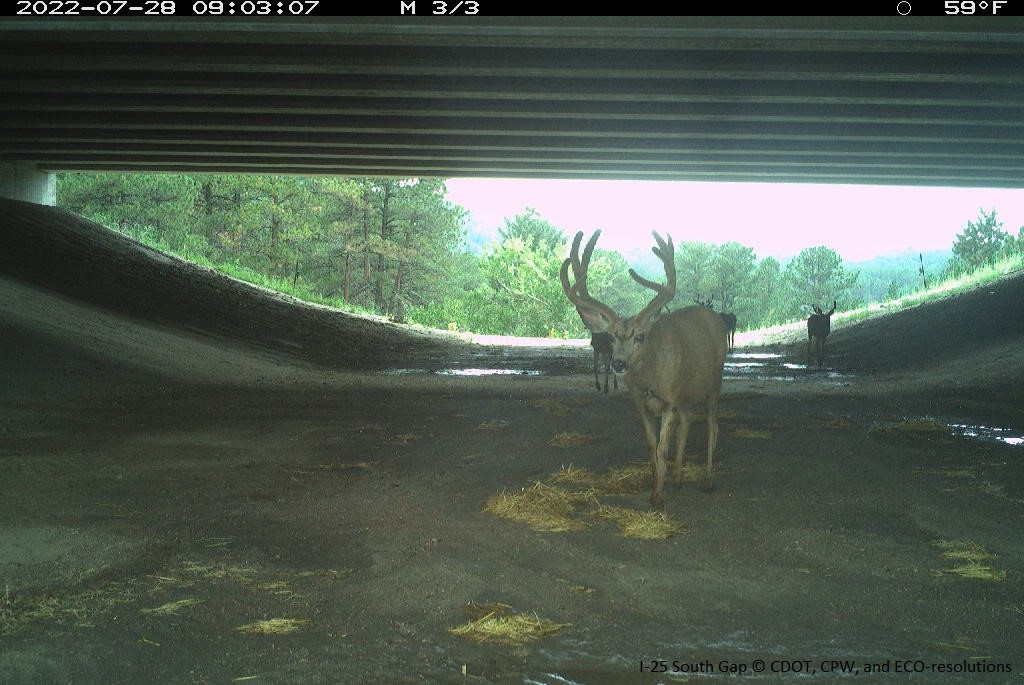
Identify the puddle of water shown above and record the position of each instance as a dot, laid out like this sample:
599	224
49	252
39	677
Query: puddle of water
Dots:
748	365
770	366
1007	436
488	372
930	424
463	372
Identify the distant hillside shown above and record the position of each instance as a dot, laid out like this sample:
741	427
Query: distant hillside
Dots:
903	270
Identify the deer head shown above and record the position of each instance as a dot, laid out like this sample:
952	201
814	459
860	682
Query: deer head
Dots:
627	333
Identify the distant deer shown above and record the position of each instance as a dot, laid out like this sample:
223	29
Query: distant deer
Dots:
729	322
728	319
671	362
602	344
819	324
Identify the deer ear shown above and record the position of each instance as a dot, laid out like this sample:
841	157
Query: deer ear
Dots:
595	320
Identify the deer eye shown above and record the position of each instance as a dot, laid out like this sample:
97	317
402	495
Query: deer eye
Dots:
638	338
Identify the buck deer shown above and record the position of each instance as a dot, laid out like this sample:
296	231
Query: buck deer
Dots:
671	362
819	324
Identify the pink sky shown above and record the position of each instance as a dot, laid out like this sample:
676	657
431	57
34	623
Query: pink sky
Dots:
778	220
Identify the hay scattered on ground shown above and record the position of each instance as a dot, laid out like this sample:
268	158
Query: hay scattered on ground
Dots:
963	550
911	428
172	608
246	577
404	438
273	626
571	440
969	558
553	407
550	509
346	467
625	480
543	507
499	626
235	573
692	472
644	525
86	607
752	434
949	473
73	608
976	572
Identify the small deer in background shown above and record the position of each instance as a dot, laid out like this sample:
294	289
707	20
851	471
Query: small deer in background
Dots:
819	325
728	320
671	362
602	344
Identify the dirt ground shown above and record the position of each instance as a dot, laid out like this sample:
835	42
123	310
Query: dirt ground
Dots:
203	482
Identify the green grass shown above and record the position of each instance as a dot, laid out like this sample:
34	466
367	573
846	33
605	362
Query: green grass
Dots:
938	291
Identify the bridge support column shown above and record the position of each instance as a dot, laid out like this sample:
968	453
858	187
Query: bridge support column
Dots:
25	182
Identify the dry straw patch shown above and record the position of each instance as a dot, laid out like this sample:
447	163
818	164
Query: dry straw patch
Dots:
272	626
625	480
550	509
569	439
752	434
543	507
72	608
254	580
970	558
911	428
553	407
644	525
348	466
499	626
172	608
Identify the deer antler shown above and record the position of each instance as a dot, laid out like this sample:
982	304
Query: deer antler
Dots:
587	306
664	251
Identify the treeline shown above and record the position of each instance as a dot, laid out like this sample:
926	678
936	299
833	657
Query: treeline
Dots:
397	247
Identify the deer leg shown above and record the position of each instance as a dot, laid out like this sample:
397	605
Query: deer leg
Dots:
652	453
684	431
659	457
657	502
597	383
709	473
